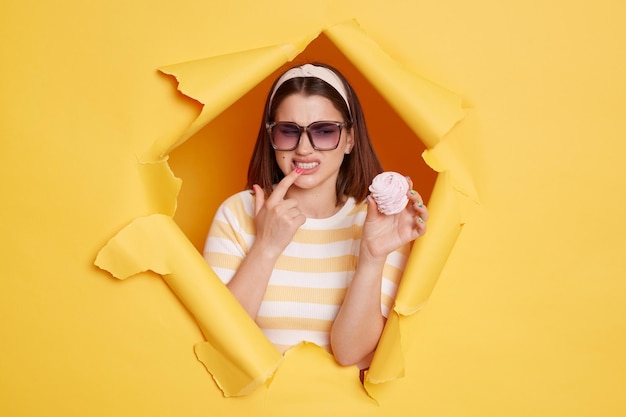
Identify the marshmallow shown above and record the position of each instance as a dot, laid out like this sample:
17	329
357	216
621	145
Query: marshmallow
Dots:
389	191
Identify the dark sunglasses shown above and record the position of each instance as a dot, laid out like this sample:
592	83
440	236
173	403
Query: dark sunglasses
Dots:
324	135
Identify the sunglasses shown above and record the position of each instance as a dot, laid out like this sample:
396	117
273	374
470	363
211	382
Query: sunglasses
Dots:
324	135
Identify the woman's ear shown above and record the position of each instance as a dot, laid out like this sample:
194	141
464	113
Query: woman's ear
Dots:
349	142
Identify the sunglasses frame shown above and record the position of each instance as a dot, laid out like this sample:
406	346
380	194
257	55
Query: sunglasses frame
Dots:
270	125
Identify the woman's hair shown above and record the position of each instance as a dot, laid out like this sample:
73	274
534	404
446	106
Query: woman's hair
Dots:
358	168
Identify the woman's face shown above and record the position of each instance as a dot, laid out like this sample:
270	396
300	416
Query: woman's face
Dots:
319	168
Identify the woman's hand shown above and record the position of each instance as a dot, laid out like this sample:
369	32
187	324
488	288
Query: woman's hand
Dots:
382	234
359	324
276	219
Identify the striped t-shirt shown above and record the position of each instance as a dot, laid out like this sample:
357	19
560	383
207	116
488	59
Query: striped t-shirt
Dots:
310	278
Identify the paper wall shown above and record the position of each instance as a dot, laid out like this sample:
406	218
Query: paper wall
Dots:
526	316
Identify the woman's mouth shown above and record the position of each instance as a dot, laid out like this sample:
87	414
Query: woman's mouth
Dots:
305	165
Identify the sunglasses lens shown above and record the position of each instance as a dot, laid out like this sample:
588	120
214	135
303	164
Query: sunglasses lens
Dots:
325	135
285	136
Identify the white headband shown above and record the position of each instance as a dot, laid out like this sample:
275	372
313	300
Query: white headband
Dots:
309	70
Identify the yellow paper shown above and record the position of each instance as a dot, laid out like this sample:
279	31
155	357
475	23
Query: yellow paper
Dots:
429	109
217	82
237	354
526	316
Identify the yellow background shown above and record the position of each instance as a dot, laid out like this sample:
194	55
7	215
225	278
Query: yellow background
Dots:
529	314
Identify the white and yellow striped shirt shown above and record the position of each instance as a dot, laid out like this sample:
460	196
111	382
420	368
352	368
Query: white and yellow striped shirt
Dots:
310	278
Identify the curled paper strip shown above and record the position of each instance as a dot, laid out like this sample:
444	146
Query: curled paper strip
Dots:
236	353
389	191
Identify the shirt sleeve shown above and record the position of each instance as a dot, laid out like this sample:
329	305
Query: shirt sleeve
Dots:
392	275
230	236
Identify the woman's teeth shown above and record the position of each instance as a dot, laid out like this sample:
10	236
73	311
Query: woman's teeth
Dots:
307	165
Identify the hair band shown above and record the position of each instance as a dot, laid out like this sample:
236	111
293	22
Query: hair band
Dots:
308	71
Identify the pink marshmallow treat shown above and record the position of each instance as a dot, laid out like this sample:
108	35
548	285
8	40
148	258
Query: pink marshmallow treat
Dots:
389	191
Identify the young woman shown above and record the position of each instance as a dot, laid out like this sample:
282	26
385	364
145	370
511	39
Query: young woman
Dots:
303	250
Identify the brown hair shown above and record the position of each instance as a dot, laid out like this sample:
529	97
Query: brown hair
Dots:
358	168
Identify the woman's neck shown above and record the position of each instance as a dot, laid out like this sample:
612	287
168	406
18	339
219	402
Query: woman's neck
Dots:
314	204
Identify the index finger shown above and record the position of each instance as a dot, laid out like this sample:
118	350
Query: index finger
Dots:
283	186
259	198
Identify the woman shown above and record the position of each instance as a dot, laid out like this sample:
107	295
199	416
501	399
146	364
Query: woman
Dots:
306	254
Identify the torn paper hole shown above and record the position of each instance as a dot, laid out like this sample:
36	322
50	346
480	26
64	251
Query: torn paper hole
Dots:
235	352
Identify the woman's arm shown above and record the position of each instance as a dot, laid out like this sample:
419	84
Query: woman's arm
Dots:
276	221
359	324
249	283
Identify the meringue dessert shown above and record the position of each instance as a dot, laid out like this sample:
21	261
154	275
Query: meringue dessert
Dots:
389	190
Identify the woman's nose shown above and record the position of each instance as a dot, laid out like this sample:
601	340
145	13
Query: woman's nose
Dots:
304	145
